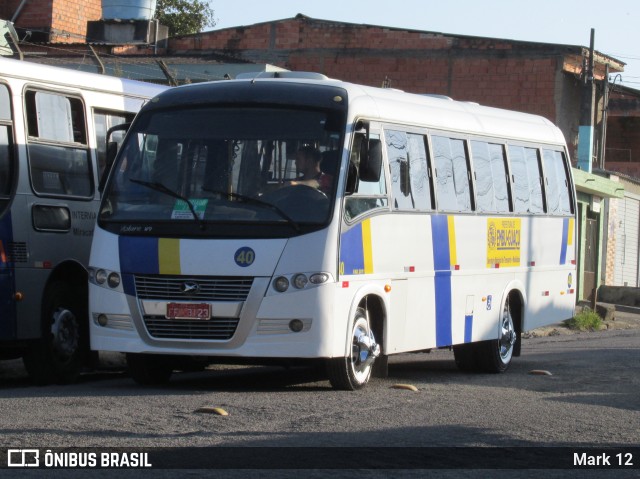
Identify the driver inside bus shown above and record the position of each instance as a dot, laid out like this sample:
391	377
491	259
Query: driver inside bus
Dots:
308	163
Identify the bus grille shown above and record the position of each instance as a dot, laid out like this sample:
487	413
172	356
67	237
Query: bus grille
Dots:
210	288
213	329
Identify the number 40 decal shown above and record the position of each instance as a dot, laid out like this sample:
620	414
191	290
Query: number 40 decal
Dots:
244	257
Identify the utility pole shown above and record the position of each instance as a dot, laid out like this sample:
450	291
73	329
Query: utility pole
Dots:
587	107
605	116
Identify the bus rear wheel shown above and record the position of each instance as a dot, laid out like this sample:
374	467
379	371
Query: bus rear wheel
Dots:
492	356
354	371
149	369
498	353
59	355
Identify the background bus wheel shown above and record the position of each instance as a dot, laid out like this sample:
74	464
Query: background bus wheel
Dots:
497	354
60	354
353	372
149	369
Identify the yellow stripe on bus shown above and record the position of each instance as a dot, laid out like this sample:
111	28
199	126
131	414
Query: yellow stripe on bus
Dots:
570	233
169	256
453	255
367	252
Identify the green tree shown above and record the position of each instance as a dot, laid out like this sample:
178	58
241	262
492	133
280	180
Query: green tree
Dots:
184	17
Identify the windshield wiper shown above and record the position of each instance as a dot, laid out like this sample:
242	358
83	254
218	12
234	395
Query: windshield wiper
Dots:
256	201
163	189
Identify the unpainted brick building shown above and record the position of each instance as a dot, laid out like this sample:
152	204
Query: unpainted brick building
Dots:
541	78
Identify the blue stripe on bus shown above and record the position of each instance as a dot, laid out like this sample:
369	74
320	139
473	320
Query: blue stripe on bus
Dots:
7	282
138	255
351	251
442	280
468	328
565	236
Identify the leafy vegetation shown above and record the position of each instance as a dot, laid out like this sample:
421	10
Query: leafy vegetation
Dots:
586	320
184	17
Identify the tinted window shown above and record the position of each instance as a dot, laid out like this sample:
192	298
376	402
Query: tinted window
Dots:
5	103
102	122
367	195
59	159
492	193
409	167
6	149
526	179
452	177
557	183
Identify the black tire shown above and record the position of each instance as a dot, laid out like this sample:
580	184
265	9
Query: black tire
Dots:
59	355
149	369
466	357
492	356
496	355
351	373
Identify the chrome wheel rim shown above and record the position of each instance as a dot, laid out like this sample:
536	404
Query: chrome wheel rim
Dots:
507	336
361	350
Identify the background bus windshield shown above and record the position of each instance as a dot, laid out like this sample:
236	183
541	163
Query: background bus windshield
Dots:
237	166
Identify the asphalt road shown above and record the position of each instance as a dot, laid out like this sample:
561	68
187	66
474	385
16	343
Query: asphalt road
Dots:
590	399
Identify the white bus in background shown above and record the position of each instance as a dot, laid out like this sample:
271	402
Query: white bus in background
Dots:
53	126
432	223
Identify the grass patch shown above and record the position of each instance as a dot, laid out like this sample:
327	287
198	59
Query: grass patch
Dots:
586	320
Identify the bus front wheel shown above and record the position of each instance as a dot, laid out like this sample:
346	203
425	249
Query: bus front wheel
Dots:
354	371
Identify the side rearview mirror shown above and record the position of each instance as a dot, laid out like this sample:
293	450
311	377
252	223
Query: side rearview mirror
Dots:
112	151
371	161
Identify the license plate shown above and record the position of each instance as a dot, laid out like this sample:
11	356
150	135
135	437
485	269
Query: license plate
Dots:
201	311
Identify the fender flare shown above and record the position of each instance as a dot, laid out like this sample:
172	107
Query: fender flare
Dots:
363	292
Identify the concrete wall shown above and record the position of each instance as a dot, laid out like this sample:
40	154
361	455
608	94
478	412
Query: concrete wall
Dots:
622	295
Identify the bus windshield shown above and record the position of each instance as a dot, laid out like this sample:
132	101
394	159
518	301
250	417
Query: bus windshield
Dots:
259	171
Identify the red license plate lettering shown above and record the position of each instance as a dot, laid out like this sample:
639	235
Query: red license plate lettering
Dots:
200	311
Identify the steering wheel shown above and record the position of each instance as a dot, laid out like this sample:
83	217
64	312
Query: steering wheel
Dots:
294	194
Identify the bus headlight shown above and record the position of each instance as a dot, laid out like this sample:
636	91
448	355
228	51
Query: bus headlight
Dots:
113	280
105	278
318	278
300	281
100	276
281	284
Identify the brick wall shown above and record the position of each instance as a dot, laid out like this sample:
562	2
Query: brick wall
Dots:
34	14
623	145
513	75
64	20
69	19
8	8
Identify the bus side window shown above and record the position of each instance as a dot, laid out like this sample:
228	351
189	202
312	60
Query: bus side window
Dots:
452	174
65	168
363	195
408	163
7	167
557	183
492	193
527	180
103	120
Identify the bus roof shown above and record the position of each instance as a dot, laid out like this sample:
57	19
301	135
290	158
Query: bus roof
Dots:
389	105
71	78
